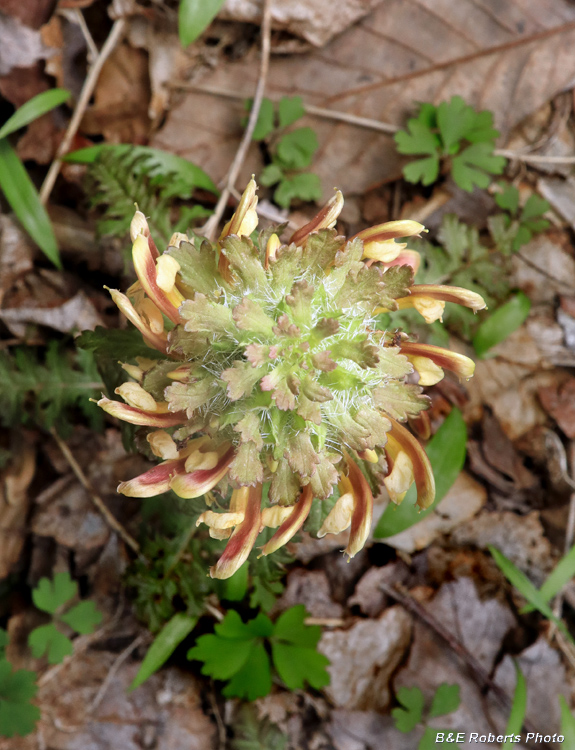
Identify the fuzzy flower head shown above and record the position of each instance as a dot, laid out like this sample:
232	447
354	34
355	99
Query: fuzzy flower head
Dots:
274	375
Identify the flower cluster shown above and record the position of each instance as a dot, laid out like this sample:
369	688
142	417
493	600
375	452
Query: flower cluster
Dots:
274	374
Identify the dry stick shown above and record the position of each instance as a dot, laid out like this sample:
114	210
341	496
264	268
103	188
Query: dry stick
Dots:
113	670
210	227
85	94
377	125
478	671
96	499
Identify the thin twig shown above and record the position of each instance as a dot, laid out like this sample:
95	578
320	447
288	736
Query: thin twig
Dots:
369	123
210	227
222	735
82	104
113	670
96	499
534	158
76	16
477	670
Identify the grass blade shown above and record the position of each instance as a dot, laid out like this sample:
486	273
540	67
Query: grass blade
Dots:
446	452
25	202
34	108
164	645
194	17
501	324
518	708
527	589
567	724
165	163
561	574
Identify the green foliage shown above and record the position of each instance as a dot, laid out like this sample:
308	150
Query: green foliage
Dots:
53	597
185	175
32	109
411	713
517	225
453	133
237	653
15	183
253	733
567	723
164	645
41	387
3	642
171	580
561	574
194	17
17	715
446	452
120	179
508	318
21	194
518	708
290	152
527	589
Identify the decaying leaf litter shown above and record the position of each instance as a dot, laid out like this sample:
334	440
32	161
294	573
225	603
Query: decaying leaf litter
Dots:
421	608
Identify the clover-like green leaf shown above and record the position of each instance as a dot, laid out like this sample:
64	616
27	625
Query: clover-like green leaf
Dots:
296	149
304	187
51	595
47	639
17	714
408	717
445	700
83	618
294	651
474	165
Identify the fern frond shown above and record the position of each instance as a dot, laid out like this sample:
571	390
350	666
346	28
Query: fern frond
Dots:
118	180
40	390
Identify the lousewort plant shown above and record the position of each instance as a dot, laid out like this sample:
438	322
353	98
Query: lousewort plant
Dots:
274	373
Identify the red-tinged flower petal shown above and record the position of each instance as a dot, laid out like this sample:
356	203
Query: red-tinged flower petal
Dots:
199	481
325	219
455	294
422	471
153	482
292	524
145	267
137	416
154	339
406	257
462	366
244	536
362	509
390	230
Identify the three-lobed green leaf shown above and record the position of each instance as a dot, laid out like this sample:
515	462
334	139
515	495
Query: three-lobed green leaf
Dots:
456	131
48	640
17	715
408	717
50	595
236	652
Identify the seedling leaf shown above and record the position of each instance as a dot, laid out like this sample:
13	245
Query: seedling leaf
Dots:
83	618
194	17
51	595
164	645
567	723
296	149
17	714
410	715
47	639
501	324
290	109
445	701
